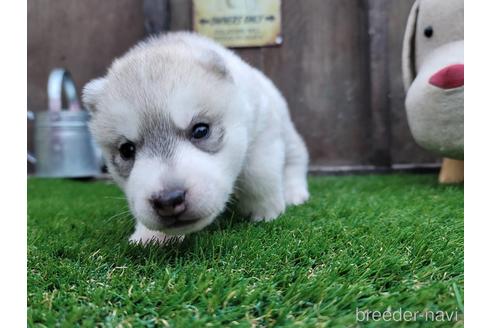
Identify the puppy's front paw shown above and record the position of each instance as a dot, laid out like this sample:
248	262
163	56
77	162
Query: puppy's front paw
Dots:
267	213
144	236
296	195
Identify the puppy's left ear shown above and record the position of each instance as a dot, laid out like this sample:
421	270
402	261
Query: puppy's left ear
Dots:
215	64
92	92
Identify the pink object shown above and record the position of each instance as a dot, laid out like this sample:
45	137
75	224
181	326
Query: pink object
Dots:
449	77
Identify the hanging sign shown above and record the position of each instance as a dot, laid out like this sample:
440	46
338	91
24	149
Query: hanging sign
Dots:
239	23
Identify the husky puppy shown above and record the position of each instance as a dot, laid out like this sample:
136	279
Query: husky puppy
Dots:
184	124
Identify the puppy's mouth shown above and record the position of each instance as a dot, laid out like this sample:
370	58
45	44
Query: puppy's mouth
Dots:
177	222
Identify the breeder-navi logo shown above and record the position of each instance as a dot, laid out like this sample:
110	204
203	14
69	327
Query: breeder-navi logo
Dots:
401	315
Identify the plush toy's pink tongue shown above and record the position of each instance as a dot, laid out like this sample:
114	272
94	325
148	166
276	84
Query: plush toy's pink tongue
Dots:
449	77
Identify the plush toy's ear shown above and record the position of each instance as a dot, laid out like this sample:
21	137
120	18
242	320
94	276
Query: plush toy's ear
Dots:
92	92
408	55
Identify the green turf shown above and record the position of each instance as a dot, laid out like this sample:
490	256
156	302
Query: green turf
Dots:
366	242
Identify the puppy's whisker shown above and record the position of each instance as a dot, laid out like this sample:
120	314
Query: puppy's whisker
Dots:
119	215
116	198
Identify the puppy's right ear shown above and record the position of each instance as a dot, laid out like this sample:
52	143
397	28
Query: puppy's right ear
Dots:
92	92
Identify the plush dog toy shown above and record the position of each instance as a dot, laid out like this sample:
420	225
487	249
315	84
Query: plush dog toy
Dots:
433	74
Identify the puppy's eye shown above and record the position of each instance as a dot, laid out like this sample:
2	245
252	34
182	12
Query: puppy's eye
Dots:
200	131
429	31
127	151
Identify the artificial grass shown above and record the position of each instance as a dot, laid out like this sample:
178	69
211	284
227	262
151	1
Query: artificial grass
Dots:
369	242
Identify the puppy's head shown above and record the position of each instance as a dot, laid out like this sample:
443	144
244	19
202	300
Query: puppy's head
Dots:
170	122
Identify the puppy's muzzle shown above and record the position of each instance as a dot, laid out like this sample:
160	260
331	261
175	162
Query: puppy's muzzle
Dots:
169	204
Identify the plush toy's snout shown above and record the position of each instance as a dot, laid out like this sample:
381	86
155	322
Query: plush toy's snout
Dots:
450	77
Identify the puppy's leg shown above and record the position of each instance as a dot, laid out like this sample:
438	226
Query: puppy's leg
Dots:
144	236
296	165
260	186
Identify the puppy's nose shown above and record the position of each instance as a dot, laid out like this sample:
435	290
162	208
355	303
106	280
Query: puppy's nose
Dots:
169	203
450	77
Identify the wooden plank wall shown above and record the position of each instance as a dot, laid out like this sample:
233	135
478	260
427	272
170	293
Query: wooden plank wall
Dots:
339	67
83	36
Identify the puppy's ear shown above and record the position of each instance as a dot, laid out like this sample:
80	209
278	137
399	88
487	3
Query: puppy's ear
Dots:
215	64
92	92
408	55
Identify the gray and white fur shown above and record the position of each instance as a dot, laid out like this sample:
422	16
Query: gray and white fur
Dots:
155	96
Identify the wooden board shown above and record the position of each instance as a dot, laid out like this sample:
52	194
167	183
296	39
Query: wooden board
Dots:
83	36
342	84
239	23
321	72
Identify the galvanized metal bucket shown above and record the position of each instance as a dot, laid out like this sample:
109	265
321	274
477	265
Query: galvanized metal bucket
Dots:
63	144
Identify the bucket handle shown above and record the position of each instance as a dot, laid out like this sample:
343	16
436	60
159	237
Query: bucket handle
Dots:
30	156
60	80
